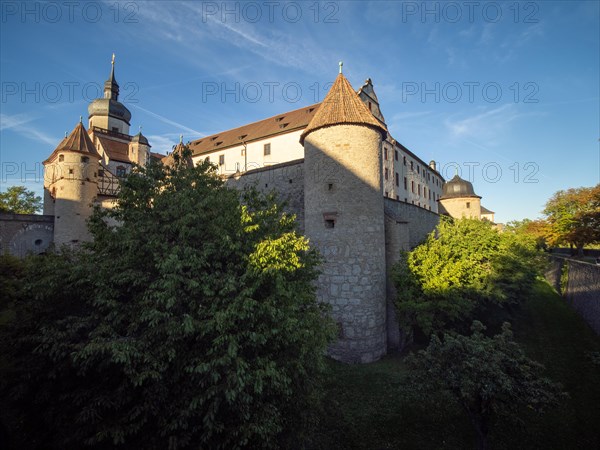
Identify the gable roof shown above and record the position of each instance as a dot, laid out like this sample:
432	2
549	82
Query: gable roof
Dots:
116	150
77	141
342	106
279	124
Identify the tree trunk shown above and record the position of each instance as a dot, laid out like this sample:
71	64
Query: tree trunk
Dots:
580	250
480	424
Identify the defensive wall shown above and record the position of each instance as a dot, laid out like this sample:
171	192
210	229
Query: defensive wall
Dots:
580	287
286	179
406	226
23	234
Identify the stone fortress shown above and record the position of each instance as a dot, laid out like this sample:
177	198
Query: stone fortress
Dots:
359	195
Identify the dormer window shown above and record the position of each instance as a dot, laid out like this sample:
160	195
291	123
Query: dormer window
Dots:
61	158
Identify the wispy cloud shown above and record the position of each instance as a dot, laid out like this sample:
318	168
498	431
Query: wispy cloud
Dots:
163	143
163	119
19	124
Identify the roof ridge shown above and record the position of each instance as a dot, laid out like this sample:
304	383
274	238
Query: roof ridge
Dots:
255	122
341	105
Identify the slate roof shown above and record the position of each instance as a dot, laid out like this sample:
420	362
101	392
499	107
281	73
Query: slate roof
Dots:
484	210
342	106
458	188
279	124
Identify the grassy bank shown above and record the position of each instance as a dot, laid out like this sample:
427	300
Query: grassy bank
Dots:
369	406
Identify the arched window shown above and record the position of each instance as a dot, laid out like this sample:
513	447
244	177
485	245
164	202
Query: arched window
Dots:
85	159
61	158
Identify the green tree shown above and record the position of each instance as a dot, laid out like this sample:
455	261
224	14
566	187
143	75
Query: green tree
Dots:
574	217
191	324
20	200
488	377
463	265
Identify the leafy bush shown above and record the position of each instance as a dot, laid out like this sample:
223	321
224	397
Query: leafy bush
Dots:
487	376
192	324
464	264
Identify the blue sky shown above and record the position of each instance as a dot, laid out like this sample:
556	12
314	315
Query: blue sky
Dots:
506	91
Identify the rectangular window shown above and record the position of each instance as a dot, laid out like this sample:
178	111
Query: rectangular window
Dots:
468	204
396	155
424	191
385	174
419	188
412	167
404	160
397	179
221	160
267	149
385	153
386	194
405	183
398	197
418	169
412	187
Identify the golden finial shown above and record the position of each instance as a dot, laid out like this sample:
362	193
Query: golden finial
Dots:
113	60
341	63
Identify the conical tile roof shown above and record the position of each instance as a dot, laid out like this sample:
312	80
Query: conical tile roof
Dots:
341	106
77	141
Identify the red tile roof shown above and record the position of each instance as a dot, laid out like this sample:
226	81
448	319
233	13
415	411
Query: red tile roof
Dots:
279	124
342	106
77	141
116	150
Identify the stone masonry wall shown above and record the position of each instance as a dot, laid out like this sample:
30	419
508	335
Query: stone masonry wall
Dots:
23	234
286	179
420	221
583	288
344	219
406	225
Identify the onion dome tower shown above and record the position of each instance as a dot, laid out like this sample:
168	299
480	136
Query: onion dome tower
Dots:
344	219
459	199
71	186
108	113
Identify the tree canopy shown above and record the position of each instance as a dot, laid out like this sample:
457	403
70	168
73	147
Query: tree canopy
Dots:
487	376
573	217
19	200
191	324
463	264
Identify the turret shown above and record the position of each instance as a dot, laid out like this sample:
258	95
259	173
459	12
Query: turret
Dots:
71	186
108	113
139	149
344	219
459	199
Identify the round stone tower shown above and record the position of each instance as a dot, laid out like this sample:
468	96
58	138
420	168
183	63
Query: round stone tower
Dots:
459	199
71	186
344	219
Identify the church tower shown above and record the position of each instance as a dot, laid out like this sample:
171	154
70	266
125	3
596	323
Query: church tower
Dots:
344	219
108	113
71	186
